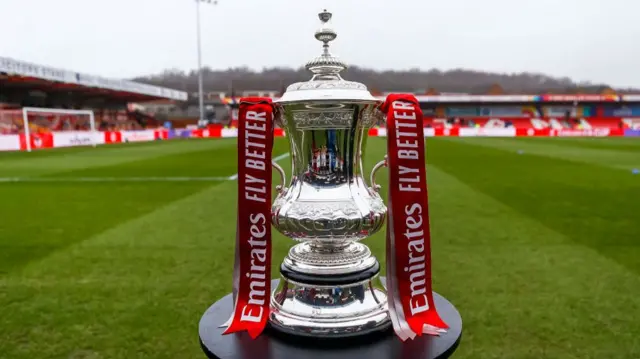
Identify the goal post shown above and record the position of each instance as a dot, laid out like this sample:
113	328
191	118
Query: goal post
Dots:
55	112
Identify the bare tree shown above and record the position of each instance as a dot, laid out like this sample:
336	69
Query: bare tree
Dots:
414	80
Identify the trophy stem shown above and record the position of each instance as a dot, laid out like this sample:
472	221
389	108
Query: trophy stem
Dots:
323	247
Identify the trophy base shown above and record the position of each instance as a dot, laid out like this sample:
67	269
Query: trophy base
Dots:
329	305
275	344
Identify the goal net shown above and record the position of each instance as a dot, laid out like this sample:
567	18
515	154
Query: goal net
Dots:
77	127
11	122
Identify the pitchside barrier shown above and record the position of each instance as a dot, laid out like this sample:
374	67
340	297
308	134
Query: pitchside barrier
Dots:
91	138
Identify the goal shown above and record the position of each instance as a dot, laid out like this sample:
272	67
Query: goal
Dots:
36	119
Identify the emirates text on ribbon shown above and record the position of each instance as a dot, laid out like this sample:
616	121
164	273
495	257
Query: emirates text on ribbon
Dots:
256	190
409	181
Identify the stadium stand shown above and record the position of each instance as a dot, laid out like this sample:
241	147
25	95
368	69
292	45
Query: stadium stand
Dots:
12	122
631	123
124	111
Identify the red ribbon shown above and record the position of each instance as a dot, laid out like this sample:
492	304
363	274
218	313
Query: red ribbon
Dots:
252	268
411	303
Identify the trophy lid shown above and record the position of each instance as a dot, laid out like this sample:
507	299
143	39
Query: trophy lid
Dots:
326	83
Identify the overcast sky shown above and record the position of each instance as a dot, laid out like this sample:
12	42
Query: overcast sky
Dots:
596	40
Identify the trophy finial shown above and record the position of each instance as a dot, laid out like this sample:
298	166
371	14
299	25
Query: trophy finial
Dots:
325	16
326	66
325	34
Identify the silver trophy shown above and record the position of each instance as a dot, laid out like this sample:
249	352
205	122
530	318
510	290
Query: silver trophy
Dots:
329	285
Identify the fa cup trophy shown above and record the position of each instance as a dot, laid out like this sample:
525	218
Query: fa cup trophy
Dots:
330	286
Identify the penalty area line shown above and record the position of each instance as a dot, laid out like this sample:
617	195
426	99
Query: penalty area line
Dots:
275	159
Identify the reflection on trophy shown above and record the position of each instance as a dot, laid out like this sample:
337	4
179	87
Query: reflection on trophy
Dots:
330	285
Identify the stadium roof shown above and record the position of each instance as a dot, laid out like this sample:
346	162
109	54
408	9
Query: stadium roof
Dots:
19	73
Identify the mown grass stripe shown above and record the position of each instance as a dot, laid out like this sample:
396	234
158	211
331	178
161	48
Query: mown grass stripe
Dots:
109	179
606	156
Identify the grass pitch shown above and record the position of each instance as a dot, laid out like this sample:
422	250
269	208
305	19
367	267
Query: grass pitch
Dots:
536	241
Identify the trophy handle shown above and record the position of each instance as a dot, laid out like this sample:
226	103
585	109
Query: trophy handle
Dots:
372	180
280	188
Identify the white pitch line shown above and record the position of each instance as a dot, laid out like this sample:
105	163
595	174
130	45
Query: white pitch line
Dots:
275	159
281	157
124	179
110	179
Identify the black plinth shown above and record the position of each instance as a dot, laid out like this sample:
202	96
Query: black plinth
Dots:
275	345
